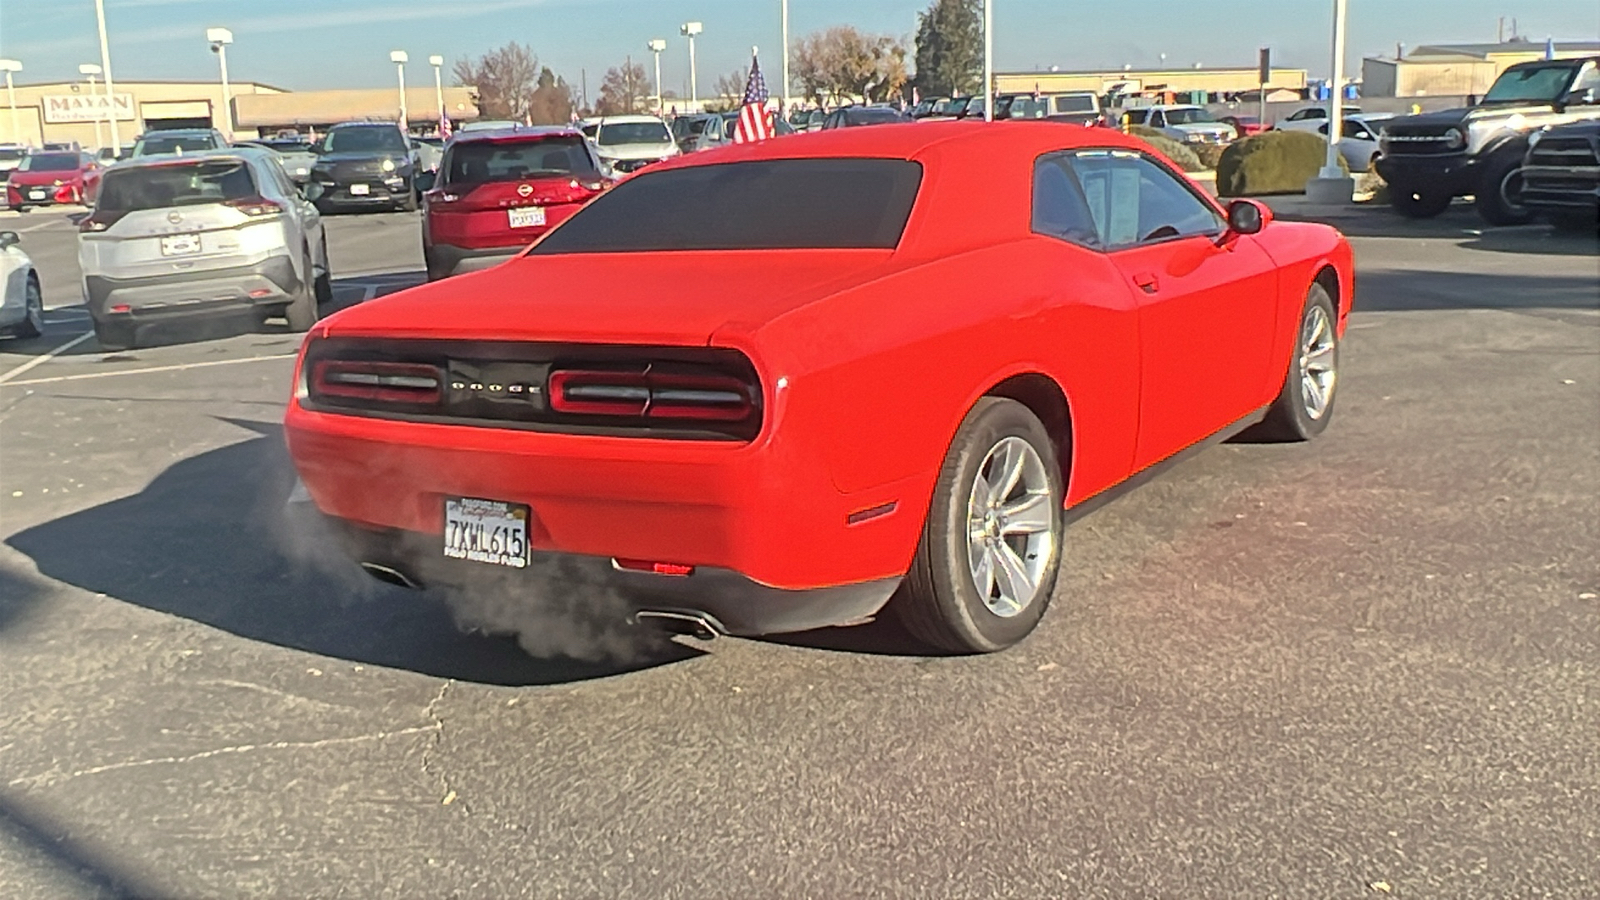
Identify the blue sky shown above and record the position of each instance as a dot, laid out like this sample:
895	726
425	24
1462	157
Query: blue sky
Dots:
306	44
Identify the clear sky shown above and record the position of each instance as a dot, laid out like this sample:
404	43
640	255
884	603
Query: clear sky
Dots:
306	44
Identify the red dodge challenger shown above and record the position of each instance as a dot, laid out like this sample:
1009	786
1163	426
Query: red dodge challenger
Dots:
774	387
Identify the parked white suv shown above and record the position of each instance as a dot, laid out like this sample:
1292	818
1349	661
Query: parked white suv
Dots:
629	143
1185	124
220	233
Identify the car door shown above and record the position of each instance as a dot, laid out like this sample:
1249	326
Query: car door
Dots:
1207	306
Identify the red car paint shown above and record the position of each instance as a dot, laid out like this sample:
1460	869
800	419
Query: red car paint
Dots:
58	186
867	362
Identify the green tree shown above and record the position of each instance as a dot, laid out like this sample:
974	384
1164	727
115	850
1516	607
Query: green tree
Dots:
552	100
950	47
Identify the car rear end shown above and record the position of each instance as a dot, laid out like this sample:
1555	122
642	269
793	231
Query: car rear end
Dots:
497	194
45	179
187	237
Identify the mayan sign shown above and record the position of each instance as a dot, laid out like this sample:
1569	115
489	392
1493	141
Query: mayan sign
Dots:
85	107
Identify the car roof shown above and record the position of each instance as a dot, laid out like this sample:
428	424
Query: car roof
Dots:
347	125
202	132
620	120
170	159
511	135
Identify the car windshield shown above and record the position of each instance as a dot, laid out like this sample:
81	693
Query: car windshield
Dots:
1189	116
12	153
365	140
1026	108
1534	83
479	162
1071	104
766	205
289	146
184	184
173	143
50	162
688	126
951	107
613	134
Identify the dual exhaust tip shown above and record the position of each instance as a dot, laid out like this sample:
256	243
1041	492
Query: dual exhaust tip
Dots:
695	624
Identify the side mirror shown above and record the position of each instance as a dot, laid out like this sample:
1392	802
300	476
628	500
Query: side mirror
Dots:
313	191
9	239
1247	217
426	180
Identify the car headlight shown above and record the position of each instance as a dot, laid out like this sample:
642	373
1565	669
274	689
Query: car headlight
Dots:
388	165
1455	139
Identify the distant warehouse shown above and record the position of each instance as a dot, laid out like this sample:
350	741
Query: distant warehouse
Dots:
316	110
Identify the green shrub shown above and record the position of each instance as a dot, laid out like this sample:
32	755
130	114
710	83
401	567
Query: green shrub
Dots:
1180	154
1146	132
1274	162
1209	154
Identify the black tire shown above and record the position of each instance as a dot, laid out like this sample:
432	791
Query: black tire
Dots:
20	209
324	282
1499	196
1292	416
409	204
115	335
32	324
302	311
939	602
1418	203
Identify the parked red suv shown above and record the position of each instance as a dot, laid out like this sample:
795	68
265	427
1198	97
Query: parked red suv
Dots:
499	190
48	177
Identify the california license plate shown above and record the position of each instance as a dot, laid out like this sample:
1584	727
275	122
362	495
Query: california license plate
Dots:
486	531
360	190
37	195
180	244
527	217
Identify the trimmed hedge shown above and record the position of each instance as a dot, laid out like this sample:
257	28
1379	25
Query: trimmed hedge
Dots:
1273	162
1180	155
1210	154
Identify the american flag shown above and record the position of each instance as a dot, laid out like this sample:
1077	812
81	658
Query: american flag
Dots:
755	120
445	127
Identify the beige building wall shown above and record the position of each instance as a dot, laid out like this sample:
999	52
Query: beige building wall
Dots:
1216	81
68	111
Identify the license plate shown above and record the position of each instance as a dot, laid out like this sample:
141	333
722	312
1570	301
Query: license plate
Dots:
486	531
360	190
527	217
180	244
37	195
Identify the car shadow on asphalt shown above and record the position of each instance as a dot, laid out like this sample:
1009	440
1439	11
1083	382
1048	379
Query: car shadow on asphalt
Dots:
1460	223
207	540
1417	290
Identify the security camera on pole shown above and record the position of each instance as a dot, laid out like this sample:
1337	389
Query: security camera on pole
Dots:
9	66
1333	184
93	71
220	38
657	45
988	60
438	92
689	30
400	58
105	64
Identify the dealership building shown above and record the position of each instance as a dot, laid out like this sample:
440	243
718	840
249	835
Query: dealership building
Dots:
78	111
1196	85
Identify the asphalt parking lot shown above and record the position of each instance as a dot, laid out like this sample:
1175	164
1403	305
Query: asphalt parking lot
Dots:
1361	667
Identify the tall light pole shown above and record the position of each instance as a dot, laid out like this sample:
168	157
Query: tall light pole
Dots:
689	30
657	45
988	60
438	85
220	38
400	58
8	66
786	57
1332	185
93	71
105	63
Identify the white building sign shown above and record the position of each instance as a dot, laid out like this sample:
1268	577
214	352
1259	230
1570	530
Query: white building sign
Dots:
60	109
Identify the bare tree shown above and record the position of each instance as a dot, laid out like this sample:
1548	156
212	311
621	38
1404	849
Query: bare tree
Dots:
552	100
730	90
624	90
504	79
841	62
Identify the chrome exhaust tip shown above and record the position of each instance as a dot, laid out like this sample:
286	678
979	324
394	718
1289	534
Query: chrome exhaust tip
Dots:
697	625
391	575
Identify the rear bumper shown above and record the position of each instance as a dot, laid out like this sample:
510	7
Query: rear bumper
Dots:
233	291
445	260
729	602
380	196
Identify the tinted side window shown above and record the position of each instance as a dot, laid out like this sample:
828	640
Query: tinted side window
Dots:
1059	209
1133	200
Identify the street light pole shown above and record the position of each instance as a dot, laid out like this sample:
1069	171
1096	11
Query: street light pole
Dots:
1336	92
92	70
105	64
988	60
786	56
438	85
220	38
657	45
400	58
689	30
8	66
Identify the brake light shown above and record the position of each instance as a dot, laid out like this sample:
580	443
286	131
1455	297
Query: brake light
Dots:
651	395
380	382
67	193
256	207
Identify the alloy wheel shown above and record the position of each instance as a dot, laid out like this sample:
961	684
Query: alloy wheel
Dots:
1010	538
1319	360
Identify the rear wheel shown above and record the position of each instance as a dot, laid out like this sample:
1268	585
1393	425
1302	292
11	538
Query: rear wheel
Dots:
1418	203
114	335
409	204
324	282
986	563
32	324
1499	198
302	310
1305	404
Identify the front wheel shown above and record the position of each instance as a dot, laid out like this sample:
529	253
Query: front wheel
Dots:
114	335
302	311
986	563
32	324
1499	198
1305	403
1418	203
409	204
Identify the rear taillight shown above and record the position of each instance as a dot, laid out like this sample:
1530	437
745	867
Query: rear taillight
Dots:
651	394
256	207
417	384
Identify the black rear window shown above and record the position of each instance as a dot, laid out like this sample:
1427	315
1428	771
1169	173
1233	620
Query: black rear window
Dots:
789	204
479	162
51	162
188	184
181	143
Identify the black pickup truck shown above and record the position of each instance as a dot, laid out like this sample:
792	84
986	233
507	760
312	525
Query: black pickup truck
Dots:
1561	175
1430	159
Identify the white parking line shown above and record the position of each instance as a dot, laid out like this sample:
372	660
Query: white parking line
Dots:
147	370
41	360
39	227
